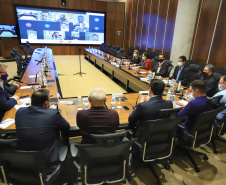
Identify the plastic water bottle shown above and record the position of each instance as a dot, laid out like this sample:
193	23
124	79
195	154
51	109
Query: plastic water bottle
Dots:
79	101
153	75
178	87
168	95
113	102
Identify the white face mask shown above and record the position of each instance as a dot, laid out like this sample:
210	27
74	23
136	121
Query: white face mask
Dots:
143	58
220	87
180	64
135	54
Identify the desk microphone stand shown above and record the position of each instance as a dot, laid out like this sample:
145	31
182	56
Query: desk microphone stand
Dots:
80	72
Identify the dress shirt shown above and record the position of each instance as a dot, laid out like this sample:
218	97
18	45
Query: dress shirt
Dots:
160	65
223	100
179	71
2	84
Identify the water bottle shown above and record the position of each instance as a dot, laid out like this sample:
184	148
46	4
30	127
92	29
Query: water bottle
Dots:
79	101
113	102
168	95
178	87
153	75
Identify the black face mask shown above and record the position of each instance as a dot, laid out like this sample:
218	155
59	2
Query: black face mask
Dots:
204	74
161	60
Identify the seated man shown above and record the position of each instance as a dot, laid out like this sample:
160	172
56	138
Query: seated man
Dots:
148	109
181	72
7	101
11	88
98	119
38	128
222	88
207	77
161	68
196	106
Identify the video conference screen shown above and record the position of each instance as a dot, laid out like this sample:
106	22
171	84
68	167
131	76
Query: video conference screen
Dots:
54	26
8	31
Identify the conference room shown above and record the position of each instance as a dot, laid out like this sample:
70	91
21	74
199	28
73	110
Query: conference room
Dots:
112	92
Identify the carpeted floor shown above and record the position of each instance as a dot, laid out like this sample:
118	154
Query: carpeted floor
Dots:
72	85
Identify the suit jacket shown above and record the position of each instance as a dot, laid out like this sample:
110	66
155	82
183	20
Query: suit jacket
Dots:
211	85
163	70
6	103
192	110
11	88
147	111
136	61
183	77
37	129
97	120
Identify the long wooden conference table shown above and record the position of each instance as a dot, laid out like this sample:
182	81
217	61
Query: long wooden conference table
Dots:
69	112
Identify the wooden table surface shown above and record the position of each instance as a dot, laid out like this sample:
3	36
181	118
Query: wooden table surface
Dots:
68	111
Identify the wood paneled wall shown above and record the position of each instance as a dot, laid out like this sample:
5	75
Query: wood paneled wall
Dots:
150	24
115	13
209	40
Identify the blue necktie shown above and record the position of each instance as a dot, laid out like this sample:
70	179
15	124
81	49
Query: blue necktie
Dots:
178	74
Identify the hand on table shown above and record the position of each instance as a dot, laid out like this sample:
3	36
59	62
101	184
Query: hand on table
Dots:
16	84
16	97
19	102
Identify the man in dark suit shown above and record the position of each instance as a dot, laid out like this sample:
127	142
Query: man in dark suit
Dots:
7	101
38	128
148	109
161	68
98	119
207	77
11	88
181	72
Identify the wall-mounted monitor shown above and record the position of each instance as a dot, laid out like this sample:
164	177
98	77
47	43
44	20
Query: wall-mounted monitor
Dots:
40	25
8	31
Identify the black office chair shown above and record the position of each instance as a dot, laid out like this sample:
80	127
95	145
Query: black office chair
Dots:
153	63
195	73
170	67
217	76
29	47
167	57
220	70
156	143
120	53
24	62
168	113
189	62
27	167
107	48
104	162
151	54
201	66
214	102
25	53
112	51
200	135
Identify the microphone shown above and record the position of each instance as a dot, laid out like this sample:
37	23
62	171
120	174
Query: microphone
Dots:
129	103
36	77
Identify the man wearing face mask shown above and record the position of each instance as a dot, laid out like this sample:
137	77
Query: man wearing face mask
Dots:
181	72
38	128
222	88
196	106
161	68
7	101
207	77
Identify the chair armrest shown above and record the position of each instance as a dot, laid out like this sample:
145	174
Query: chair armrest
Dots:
74	150
74	131
53	176
138	145
7	131
122	126
63	153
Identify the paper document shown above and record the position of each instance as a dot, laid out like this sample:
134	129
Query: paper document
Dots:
32	76
142	72
25	87
26	103
183	102
66	102
7	123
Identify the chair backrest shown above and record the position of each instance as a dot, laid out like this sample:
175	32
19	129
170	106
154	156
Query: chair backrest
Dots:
153	63
203	127
169	62
217	76
106	162
130	51
106	138
23	167
189	62
117	48
158	138
201	66
29	47
220	70
167	57
151	54
214	102
167	113
18	54
24	50
194	72
8	143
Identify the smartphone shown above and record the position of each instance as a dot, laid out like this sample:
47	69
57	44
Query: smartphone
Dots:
126	108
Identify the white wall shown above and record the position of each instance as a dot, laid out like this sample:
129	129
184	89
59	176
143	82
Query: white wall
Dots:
184	28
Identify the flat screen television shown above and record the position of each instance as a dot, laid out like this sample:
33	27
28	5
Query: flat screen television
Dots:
40	25
8	31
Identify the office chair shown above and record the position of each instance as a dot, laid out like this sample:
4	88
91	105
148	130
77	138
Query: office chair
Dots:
24	62
129	53
27	167
104	162
217	76
201	134
167	57
189	62
214	102
25	53
29	47
168	113
153	63
220	70
120	53
156	143
170	67
108	47
195	73
151	54
201	66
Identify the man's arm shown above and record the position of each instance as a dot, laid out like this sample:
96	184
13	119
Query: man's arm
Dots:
135	115
186	110
5	104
